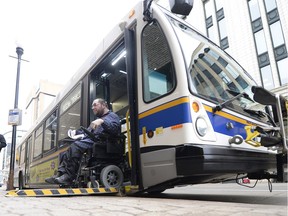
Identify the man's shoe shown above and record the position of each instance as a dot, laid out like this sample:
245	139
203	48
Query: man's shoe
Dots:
65	179
51	180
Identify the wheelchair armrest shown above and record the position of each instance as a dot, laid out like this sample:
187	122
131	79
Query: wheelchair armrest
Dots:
105	137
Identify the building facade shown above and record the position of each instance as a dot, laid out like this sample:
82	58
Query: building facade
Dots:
37	101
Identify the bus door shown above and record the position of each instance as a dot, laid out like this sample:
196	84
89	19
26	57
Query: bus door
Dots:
161	101
114	78
108	80
22	160
133	83
27	159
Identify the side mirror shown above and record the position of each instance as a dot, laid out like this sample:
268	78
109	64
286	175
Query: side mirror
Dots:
182	7
263	96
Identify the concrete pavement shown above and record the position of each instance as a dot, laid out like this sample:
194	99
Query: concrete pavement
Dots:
146	206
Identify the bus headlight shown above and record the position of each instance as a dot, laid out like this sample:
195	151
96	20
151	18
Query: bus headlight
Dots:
201	126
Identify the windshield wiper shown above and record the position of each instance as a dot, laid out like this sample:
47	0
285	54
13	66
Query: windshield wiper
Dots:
260	114
237	95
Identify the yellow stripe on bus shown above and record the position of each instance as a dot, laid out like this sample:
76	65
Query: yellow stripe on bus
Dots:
226	115
164	106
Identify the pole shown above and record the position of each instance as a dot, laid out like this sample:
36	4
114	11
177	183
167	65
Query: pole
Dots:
10	183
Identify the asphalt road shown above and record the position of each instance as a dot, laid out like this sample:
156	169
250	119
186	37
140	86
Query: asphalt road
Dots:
209	199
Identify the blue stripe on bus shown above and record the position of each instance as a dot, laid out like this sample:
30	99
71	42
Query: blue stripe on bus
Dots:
171	116
219	125
181	113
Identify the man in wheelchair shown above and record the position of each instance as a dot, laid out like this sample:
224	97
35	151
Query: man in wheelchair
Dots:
106	123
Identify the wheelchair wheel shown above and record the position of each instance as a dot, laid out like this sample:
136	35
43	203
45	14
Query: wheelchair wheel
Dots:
111	176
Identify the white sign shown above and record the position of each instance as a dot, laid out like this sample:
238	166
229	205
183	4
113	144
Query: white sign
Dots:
15	117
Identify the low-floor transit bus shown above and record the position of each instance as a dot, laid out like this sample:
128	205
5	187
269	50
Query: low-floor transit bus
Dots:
191	113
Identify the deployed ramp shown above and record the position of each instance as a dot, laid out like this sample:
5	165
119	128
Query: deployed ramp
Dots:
60	192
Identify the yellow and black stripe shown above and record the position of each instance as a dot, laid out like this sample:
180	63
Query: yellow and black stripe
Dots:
60	192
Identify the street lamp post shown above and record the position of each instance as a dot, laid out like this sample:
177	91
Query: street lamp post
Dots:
10	185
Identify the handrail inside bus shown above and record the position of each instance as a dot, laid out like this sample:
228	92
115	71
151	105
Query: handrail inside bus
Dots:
128	138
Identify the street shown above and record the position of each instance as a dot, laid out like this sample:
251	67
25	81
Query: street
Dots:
210	199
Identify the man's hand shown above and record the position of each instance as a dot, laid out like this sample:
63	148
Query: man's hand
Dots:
94	124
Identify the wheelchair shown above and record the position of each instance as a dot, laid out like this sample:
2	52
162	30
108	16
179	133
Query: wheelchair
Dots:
104	165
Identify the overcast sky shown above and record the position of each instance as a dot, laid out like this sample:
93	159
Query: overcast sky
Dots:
57	37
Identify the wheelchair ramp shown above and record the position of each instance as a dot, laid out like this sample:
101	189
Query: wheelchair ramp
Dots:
60	192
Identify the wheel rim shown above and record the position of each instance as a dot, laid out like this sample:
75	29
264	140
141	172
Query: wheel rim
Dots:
111	176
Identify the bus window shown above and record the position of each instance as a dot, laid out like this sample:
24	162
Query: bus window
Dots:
37	150
22	153
158	71
69	117
109	81
17	155
50	132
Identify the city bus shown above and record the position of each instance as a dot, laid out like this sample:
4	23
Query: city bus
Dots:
191	113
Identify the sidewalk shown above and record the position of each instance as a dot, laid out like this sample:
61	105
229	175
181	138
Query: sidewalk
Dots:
208	200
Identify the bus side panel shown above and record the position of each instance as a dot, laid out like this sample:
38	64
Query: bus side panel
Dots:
39	172
158	166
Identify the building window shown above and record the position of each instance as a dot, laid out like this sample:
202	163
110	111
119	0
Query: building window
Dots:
279	46
282	69
254	10
208	9
277	34
224	44
261	46
267	78
270	5
222	29
260	42
214	8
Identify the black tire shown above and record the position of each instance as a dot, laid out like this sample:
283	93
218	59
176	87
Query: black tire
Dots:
111	176
21	181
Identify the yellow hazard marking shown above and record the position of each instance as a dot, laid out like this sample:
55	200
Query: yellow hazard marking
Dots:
30	193
114	190
60	192
47	192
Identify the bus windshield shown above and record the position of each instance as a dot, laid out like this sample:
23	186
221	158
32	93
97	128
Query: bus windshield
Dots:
213	74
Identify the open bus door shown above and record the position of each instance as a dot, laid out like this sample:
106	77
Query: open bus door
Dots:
132	89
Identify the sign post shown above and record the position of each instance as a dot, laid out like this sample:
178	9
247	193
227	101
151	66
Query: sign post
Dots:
14	116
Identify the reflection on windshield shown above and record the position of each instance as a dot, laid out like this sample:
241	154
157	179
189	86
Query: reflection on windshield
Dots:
213	74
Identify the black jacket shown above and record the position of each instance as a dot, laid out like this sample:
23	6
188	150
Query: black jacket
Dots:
2	142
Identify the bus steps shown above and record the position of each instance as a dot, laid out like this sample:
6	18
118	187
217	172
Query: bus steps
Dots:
60	192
